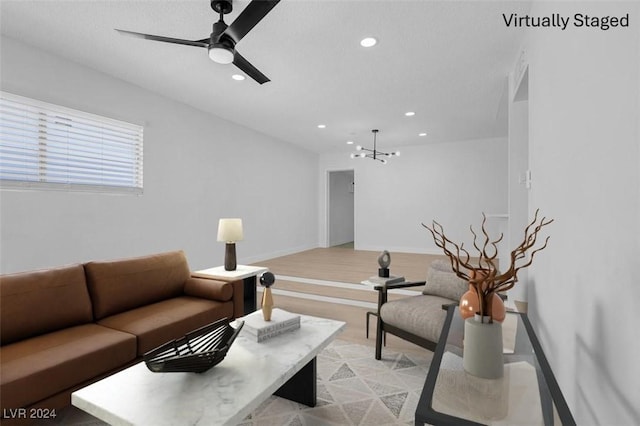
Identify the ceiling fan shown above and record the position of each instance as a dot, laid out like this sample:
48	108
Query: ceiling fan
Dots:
221	44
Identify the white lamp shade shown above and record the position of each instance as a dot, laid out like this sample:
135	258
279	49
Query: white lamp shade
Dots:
230	230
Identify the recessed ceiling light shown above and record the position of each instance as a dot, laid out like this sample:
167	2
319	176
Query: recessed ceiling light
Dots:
322	126
368	42
422	134
349	142
238	77
410	114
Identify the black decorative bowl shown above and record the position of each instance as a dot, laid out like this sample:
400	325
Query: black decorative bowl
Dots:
196	352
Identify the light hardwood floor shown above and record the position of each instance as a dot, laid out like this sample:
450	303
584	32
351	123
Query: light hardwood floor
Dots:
326	282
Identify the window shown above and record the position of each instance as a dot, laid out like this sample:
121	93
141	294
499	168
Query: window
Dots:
46	146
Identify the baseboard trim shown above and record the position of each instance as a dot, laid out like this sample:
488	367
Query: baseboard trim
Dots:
248	260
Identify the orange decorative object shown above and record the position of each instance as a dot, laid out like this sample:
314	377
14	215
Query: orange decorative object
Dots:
469	305
485	276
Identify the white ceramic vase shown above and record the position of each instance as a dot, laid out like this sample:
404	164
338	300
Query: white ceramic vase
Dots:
482	353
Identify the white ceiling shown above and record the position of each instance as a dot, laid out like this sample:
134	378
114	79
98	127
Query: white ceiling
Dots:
445	60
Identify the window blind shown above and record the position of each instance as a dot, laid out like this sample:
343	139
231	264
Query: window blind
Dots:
46	146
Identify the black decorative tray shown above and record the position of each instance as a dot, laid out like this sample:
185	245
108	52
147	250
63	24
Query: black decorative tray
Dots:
197	351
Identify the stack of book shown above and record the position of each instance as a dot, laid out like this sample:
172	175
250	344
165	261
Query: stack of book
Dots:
281	322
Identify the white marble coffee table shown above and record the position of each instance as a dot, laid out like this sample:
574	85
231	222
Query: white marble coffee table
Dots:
224	395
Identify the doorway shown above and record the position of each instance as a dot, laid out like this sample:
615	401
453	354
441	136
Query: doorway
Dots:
340	208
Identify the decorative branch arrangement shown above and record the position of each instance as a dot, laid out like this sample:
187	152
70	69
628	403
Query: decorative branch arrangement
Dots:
484	276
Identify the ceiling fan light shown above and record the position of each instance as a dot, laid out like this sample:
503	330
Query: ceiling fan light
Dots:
220	54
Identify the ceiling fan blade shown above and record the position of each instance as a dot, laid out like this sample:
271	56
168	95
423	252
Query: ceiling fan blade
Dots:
244	65
197	43
249	17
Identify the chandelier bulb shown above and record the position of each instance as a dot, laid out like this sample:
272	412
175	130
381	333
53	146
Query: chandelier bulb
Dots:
358	148
353	155
384	161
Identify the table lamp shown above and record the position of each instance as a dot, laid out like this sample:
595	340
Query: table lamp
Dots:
230	231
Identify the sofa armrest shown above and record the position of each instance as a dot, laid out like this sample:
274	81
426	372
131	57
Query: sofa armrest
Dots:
238	298
206	288
209	288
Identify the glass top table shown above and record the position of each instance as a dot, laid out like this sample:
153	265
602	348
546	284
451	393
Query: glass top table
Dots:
528	393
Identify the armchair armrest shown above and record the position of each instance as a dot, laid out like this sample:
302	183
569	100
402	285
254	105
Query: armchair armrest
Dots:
393	286
382	291
206	288
446	306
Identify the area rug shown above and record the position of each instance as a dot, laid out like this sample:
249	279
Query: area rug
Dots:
354	389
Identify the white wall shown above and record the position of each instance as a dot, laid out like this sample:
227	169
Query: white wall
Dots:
197	168
452	183
584	103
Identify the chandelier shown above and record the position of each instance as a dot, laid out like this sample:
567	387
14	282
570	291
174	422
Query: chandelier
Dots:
374	154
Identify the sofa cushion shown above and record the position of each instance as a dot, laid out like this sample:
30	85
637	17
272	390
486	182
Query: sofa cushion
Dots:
34	303
443	282
119	285
170	319
37	368
421	315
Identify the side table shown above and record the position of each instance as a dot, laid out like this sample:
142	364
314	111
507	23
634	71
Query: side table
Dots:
527	394
243	272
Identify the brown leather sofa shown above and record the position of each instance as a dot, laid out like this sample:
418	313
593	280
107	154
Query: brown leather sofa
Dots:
63	328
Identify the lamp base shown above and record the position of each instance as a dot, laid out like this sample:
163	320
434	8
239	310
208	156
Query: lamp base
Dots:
230	257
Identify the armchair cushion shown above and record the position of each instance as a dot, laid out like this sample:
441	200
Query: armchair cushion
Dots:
443	282
419	315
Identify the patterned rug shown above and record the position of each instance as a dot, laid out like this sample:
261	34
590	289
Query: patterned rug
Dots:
354	389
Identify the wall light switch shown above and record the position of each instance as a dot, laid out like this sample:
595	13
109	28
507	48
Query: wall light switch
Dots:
525	179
